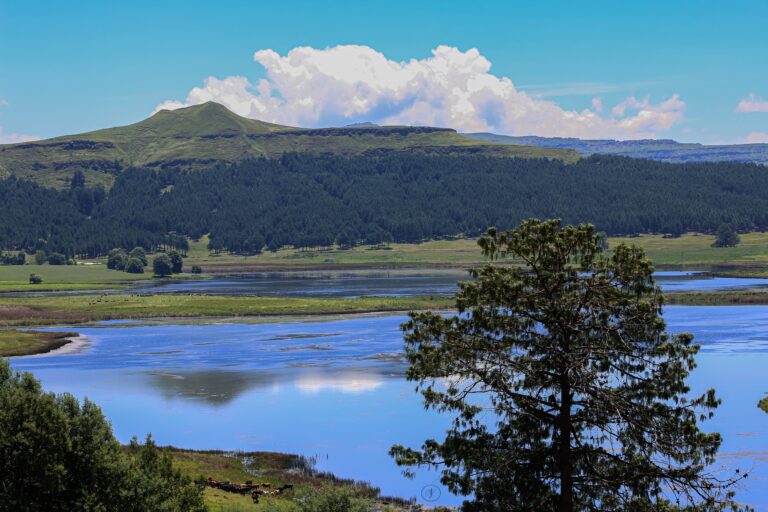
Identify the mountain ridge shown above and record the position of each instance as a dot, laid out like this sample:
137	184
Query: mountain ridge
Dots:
664	150
209	134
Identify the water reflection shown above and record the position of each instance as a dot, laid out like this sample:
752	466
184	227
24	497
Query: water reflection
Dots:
215	387
218	387
347	383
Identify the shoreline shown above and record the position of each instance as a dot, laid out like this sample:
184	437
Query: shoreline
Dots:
29	342
74	345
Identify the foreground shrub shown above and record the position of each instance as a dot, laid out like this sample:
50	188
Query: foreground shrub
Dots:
335	500
57	454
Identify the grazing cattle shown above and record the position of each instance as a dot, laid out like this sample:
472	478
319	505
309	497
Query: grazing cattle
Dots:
249	488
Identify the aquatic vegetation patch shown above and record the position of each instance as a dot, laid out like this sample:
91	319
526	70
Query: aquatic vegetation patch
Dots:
763	404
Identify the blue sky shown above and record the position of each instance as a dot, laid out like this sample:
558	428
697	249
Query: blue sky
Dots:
68	67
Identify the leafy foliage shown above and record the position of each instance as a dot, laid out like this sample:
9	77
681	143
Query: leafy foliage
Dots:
335	499
117	259
177	262
162	265
726	237
59	455
56	258
568	393
9	258
134	266
140	254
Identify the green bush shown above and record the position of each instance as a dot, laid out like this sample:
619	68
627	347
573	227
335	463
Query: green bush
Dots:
40	257
196	269
57	258
335	500
57	454
117	259
139	252
35	279
177	262
9	258
162	265
134	266
726	236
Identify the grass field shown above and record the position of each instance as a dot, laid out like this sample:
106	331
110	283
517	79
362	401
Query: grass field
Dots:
84	308
24	343
432	254
15	278
261	467
690	250
696	250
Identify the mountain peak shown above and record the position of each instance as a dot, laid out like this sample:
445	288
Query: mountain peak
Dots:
203	120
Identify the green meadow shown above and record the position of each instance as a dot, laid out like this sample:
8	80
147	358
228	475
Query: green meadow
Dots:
689	250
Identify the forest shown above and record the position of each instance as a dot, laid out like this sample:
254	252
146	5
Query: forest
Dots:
308	201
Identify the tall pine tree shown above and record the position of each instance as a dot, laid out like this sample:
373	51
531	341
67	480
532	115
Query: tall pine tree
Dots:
567	391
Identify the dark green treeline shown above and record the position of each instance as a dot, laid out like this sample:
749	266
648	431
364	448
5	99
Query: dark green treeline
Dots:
308	201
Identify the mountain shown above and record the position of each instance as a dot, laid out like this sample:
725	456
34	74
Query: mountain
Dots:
208	134
663	150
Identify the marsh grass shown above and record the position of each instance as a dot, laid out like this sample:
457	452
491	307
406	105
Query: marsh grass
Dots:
24	343
84	308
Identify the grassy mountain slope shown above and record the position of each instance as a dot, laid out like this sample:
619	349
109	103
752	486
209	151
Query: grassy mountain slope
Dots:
202	135
655	149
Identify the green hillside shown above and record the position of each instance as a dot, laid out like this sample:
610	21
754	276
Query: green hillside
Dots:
206	134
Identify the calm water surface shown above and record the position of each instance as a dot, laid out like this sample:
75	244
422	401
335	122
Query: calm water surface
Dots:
372	283
350	285
335	389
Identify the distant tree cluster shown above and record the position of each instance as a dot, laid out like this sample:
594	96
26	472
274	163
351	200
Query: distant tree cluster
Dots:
132	262
310	201
12	258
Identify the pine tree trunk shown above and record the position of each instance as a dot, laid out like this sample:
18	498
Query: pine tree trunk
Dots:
565	455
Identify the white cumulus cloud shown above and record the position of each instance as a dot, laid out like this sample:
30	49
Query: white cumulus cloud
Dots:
452	88
757	138
13	138
752	103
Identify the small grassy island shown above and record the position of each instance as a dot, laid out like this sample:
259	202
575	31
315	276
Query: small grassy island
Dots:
25	343
763	404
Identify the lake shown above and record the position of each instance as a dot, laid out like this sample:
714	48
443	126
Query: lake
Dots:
354	284
393	283
334	389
